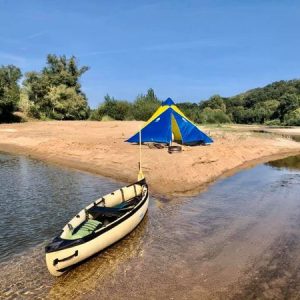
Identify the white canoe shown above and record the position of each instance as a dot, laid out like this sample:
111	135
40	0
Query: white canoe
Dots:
98	226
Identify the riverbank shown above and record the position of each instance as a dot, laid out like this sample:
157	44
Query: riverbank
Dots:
99	147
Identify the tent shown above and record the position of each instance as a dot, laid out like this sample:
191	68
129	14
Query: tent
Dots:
170	119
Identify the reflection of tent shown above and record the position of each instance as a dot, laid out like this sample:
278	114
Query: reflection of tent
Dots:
169	119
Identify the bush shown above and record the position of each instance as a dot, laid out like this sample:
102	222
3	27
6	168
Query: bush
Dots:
275	122
115	109
107	118
213	116
145	105
292	118
35	112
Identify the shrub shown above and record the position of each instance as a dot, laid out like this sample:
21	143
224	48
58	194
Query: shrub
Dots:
274	122
145	105
212	116
292	118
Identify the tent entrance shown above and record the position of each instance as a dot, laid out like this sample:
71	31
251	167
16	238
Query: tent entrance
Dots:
176	130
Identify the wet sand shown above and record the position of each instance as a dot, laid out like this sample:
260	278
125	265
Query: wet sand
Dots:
99	147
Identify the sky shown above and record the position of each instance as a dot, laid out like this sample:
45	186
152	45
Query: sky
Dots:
187	50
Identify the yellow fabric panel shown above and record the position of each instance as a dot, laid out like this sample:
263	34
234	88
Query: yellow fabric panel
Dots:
174	107
176	130
159	111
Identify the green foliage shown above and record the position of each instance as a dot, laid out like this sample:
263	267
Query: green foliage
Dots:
274	122
106	118
212	116
275	101
292	118
64	103
9	92
60	70
275	104
191	110
26	106
214	102
288	103
142	108
56	90
145	105
115	109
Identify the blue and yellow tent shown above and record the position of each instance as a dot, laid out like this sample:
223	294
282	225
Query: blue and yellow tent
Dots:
170	119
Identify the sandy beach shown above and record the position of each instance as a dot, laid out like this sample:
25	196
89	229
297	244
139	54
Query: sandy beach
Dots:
99	147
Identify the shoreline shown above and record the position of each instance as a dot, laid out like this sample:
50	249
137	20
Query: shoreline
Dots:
15	150
99	148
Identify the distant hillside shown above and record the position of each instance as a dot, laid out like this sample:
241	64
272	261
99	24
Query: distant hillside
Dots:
277	103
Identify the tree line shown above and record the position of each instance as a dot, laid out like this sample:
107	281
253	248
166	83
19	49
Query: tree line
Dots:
55	93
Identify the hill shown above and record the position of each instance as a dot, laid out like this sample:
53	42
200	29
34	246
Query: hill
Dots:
277	103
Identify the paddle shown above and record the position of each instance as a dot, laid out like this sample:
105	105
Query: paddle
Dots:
140	175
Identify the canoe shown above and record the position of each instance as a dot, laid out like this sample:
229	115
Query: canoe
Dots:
97	226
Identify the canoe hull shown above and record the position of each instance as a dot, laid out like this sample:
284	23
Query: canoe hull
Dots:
59	261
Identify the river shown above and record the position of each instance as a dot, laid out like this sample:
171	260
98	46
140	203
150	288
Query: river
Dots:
239	239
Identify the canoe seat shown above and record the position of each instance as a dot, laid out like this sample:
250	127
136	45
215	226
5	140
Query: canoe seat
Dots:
129	203
112	212
106	212
83	230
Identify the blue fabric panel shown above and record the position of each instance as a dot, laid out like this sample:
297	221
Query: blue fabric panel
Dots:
168	101
159	130
189	132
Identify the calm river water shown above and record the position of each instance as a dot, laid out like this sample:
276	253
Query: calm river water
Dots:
240	239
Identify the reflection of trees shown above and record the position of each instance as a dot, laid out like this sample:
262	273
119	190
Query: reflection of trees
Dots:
292	162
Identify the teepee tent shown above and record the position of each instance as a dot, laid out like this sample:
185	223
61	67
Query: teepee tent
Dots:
170	119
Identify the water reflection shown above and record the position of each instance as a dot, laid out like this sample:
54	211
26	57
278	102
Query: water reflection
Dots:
38	199
296	138
292	163
241	237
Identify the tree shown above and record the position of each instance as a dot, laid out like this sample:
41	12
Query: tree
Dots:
56	78
288	103
292	118
9	91
60	70
36	86
66	103
145	105
214	102
260	105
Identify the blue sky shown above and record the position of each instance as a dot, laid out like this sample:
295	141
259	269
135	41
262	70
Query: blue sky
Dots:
188	50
